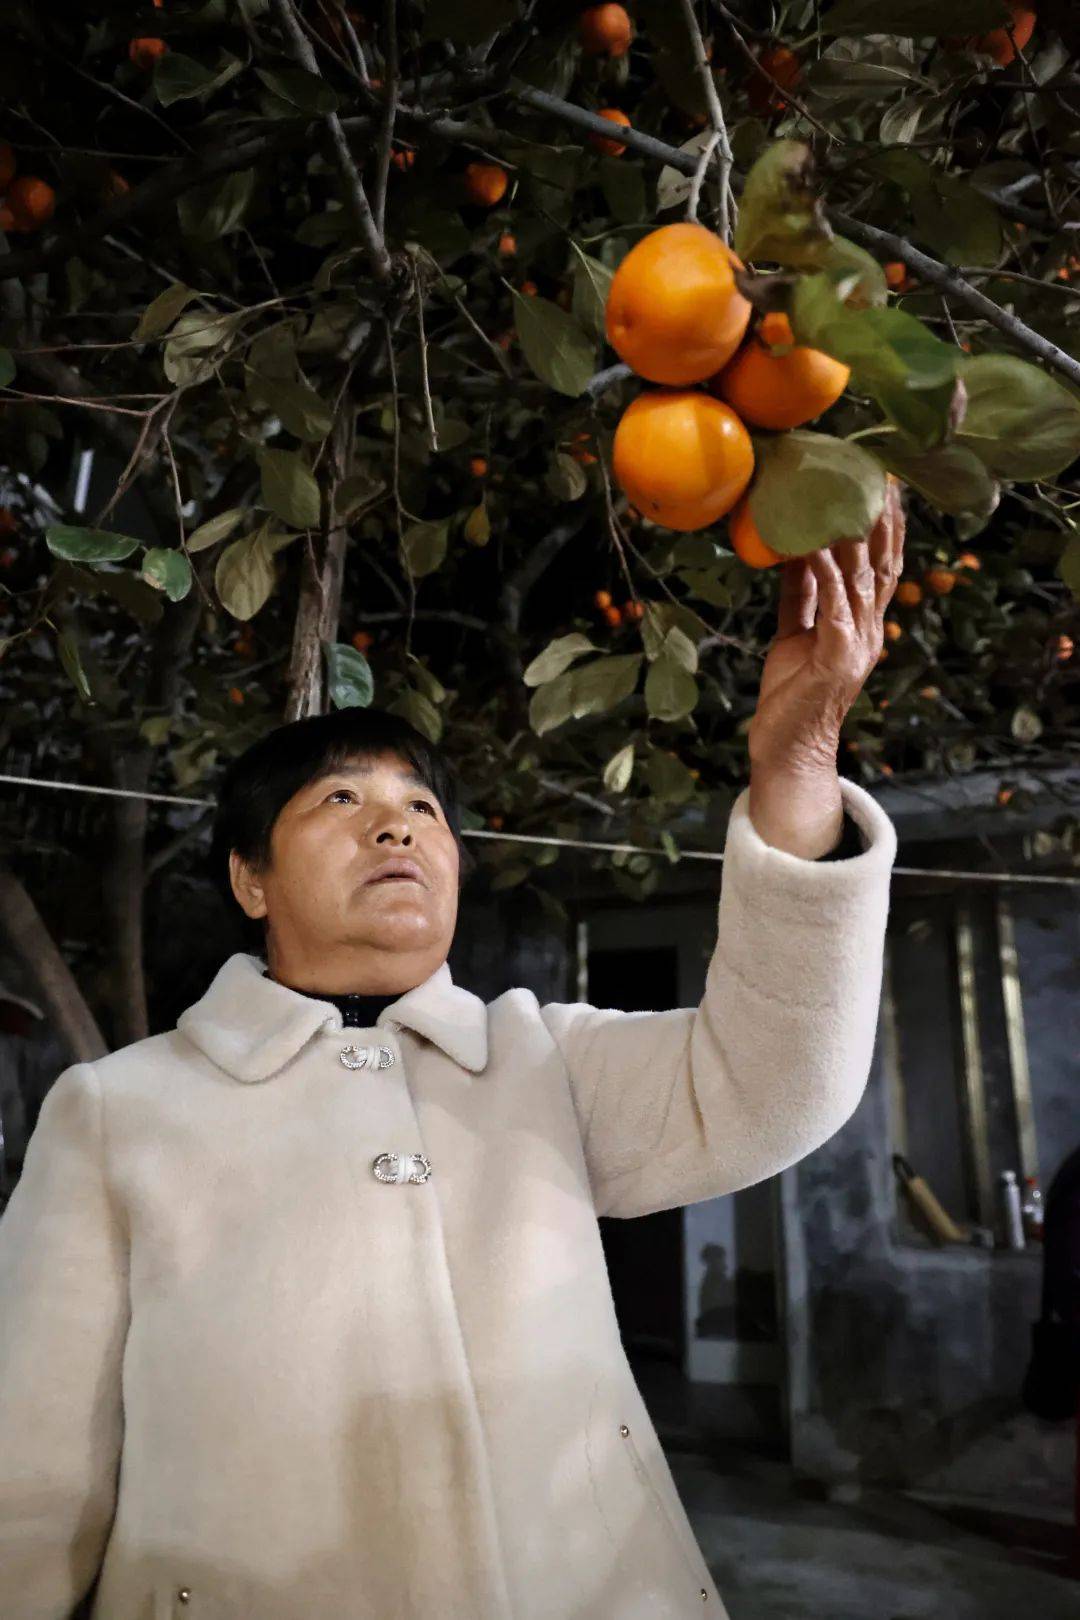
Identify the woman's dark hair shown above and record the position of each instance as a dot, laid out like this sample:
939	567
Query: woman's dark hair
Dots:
258	784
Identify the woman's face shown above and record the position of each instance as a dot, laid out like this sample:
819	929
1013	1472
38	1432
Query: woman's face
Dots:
333	923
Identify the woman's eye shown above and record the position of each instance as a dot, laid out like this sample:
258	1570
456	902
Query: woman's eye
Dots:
422	802
429	808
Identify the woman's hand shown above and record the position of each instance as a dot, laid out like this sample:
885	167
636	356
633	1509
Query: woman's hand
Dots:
828	637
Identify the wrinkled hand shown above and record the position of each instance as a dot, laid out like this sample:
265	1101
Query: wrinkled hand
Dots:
828	637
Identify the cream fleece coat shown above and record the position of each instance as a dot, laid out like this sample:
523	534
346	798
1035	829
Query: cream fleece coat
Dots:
242	1378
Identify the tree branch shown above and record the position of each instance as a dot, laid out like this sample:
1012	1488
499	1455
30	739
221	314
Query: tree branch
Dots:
355	194
886	242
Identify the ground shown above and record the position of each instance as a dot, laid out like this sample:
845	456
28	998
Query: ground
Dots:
780	1550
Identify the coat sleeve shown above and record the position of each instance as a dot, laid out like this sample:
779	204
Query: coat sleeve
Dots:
675	1107
63	1322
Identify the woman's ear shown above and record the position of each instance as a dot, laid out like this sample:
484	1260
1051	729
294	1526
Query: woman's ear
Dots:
246	886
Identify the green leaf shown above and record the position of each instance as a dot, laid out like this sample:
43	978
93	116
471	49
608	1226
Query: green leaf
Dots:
557	656
619	769
781	215
670	691
424	546
565	478
555	346
668	778
950	215
212	211
419	712
951	477
477	529
168	571
623	185
7	368
592	282
912	19
844	260
214	529
289	489
199	341
307	91
1019	422
244	576
355	493
90	546
811	490
1069	565
71	662
594	689
350	683
178	77
301	410
159	315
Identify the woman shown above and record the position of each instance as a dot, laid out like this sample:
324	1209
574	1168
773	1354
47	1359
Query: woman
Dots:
303	1306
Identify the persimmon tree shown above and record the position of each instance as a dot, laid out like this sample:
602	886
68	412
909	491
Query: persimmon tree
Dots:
331	282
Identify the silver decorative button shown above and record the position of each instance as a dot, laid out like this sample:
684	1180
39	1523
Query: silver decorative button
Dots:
623	1430
366	1057
399	1167
184	1594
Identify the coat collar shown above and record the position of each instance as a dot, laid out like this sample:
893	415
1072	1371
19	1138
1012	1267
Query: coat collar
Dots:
252	1026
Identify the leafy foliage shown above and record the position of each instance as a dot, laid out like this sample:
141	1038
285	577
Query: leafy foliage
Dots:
276	262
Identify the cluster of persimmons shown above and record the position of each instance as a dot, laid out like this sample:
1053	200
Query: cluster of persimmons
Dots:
683	453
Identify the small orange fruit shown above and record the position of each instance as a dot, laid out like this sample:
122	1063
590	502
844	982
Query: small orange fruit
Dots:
8	164
634	610
235	695
908	593
602	143
507	244
495	822
930	693
1004	794
939	580
781	390
776	66
999	44
115	185
893	631
1064	650
613	616
896	275
529	288
145	52
602	599
478	466
886	770
882	655
8	521
674	313
362	640
32	201
746	541
504	339
968	559
403	158
682	457
605	30
579	451
485	183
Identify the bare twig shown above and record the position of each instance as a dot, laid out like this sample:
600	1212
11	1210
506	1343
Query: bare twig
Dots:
386	129
886	243
699	174
356	196
716	118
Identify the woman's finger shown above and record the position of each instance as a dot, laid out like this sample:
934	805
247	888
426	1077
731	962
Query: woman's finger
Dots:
887	546
834	619
860	579
798	598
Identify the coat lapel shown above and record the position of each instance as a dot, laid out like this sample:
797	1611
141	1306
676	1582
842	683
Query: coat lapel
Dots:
251	1026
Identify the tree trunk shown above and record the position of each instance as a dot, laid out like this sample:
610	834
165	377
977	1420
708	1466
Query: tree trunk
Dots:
319	610
28	935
